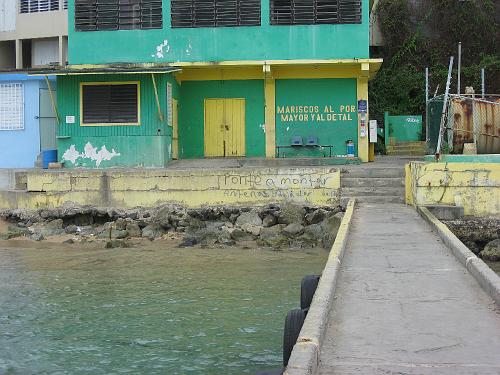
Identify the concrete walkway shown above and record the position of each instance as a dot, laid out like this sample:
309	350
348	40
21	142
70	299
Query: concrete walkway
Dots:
405	305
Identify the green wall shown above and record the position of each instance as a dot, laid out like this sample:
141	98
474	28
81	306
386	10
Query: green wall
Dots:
323	108
191	114
265	42
402	128
148	144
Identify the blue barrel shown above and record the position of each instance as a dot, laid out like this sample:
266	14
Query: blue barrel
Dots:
350	148
48	156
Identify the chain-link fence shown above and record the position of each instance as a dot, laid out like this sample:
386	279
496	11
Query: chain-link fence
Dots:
470	122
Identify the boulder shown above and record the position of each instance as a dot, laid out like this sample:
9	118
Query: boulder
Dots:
120	224
13	232
330	227
251	217
70	229
52	228
133	229
252	229
293	229
312	236
153	231
273	237
37	236
291	213
162	217
316	216
491	251
117	243
238	234
269	220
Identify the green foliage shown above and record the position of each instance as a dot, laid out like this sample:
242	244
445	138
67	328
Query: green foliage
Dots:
410	46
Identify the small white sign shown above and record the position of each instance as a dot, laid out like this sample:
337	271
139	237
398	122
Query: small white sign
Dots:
373	131
70	119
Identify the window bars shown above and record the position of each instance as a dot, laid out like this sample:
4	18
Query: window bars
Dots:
35	6
11	106
311	12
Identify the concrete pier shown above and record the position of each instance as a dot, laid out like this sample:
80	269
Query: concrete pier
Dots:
405	305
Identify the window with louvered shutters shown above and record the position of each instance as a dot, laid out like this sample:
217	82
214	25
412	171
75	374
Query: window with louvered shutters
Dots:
215	13
312	12
35	6
110	104
93	15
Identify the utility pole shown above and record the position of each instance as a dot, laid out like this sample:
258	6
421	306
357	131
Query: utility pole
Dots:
459	66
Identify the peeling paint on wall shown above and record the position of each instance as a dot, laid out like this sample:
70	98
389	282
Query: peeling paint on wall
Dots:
89	152
161	49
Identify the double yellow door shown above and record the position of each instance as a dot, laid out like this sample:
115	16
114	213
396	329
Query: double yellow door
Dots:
224	127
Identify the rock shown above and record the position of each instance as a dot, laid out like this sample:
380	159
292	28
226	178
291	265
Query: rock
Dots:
13	232
119	234
252	229
120	224
293	229
206	236
190	242
269	220
273	237
330	227
162	217
52	228
251	217
37	236
478	230
133	229
117	243
215	224
238	234
291	213
153	231
312	236
70	229
316	216
69	241
491	251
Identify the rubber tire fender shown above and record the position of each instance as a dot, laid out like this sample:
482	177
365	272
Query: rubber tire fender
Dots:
293	324
307	289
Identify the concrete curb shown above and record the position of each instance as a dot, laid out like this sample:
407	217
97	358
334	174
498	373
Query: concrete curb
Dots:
305	355
484	275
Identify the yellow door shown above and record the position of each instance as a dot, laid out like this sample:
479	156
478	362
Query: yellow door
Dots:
175	130
224	127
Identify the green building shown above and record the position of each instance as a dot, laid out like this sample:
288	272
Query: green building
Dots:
153	80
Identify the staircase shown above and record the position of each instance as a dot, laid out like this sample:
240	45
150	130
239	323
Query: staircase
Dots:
407	148
373	184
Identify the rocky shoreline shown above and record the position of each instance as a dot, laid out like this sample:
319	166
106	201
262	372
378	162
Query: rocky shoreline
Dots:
273	225
480	234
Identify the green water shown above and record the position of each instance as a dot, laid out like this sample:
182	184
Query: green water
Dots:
146	310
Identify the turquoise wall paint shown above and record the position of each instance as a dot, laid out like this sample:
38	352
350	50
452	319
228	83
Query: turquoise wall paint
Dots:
402	128
263	42
322	108
191	114
148	144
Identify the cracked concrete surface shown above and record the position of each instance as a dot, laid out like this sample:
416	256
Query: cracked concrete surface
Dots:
405	305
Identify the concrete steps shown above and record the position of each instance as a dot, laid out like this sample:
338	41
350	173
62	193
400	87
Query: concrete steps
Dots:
373	184
407	148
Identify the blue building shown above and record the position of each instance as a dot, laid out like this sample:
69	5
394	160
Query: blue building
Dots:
27	120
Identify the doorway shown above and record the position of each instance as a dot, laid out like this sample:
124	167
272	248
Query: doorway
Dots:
224	127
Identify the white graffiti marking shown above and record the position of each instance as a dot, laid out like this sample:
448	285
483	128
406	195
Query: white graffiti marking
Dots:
91	153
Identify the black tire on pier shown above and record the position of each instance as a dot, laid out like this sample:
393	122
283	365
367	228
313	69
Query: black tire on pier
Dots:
307	288
293	324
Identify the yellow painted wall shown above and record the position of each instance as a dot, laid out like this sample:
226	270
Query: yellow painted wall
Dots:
475	186
193	188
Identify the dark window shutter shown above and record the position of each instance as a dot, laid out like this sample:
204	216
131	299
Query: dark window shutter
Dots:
309	12
93	15
104	104
215	13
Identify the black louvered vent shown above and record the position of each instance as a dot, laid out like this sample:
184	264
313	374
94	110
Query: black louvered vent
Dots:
311	12
108	104
215	13
91	15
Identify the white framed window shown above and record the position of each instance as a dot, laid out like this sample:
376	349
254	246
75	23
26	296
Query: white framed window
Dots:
35	6
11	106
